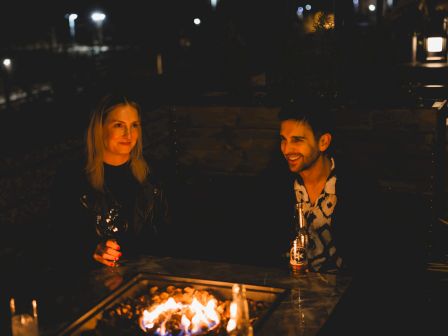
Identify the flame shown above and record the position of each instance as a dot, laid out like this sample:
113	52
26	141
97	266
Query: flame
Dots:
185	322
195	317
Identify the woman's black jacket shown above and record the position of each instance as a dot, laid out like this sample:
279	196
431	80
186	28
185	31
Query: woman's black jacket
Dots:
75	208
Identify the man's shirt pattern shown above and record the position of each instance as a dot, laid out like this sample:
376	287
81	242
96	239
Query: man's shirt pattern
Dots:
322	254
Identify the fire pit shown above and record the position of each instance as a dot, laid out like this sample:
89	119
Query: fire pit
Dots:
162	305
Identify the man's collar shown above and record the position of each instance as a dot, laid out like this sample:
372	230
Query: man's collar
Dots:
330	184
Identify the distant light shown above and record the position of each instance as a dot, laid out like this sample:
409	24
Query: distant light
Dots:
71	23
434	86
308	7
390	3
356	4
434	44
214	3
7	62
197	21
98	17
372	8
300	12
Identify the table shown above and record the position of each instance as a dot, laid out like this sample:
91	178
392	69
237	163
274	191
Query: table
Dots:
307	306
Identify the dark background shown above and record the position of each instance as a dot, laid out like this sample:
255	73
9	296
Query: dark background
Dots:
244	53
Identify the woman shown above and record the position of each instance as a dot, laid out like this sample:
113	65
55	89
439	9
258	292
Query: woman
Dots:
111	207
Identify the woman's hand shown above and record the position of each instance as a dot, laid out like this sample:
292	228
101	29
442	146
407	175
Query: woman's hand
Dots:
107	253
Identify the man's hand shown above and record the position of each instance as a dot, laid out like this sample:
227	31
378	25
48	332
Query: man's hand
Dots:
107	253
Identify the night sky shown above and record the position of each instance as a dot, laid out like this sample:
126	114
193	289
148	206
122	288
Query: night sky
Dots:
23	21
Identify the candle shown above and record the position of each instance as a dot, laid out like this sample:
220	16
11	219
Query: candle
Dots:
12	306
34	303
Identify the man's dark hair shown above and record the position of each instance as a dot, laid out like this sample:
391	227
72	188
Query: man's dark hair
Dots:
317	113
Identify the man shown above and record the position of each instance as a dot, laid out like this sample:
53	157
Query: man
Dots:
335	205
351	228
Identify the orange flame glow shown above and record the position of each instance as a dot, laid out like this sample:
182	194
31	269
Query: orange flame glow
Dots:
195	317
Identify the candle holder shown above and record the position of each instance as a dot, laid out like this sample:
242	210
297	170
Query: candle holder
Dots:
24	321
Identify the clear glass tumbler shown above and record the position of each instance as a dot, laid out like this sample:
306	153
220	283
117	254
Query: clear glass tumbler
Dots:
24	321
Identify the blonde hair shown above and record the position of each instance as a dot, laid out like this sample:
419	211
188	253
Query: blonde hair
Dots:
95	144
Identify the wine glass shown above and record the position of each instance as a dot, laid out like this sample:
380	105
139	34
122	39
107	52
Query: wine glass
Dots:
110	225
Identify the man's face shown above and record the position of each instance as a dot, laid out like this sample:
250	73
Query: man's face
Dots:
120	133
298	145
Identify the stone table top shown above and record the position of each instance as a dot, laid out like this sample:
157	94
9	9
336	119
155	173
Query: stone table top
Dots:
310	299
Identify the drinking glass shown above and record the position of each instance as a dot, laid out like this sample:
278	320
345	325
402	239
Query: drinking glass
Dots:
111	225
24	318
